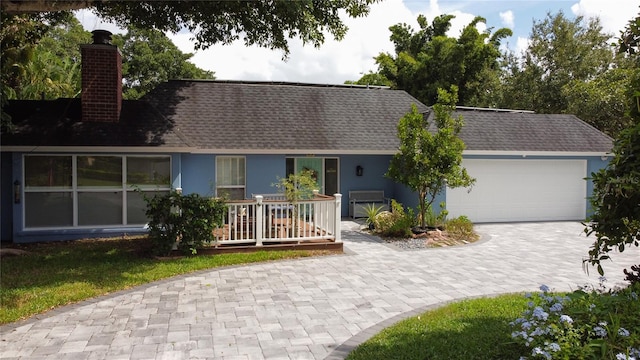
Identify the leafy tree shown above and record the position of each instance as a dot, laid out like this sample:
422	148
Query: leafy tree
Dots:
615	199
267	23
53	69
427	59
604	101
428	162
150	58
19	35
616	195
561	51
371	78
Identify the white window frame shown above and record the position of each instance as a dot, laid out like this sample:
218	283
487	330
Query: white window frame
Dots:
232	186
74	190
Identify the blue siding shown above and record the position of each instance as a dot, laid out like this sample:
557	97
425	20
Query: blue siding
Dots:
195	173
263	171
594	164
198	174
374	167
6	197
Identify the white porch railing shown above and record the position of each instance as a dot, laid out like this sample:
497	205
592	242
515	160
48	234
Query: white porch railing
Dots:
269	219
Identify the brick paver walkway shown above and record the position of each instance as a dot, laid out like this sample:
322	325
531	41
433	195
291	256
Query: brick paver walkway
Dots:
307	308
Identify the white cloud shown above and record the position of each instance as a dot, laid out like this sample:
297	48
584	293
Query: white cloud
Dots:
91	22
614	14
522	44
507	19
333	63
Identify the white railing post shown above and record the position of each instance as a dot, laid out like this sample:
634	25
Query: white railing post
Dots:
338	218
259	220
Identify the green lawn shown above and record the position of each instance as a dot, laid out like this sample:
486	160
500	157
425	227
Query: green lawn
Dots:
470	329
55	274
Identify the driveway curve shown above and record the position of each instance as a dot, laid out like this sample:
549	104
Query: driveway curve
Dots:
307	308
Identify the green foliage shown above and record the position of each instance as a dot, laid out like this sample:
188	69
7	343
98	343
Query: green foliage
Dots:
296	187
371	78
19	35
473	329
630	37
427	59
372	210
616	195
460	228
560	52
53	69
428	162
149	58
585	324
264	23
185	220
604	101
397	223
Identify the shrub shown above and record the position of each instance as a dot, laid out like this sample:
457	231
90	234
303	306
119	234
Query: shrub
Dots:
460	228
372	210
188	220
586	324
396	223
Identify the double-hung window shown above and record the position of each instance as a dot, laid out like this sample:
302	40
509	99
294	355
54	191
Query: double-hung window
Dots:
230	177
91	190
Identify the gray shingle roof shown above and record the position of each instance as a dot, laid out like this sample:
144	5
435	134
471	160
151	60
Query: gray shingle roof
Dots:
512	131
217	116
58	123
282	116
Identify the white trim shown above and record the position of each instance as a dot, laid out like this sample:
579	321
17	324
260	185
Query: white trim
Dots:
238	152
124	189
533	153
97	149
303	152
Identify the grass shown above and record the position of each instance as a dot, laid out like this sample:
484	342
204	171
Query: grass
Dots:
470	329
60	273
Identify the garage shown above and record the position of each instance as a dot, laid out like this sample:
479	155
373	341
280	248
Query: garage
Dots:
510	190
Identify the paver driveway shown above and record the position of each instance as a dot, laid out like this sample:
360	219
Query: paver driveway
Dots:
304	309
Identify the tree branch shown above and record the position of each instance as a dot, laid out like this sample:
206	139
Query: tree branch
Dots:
16	7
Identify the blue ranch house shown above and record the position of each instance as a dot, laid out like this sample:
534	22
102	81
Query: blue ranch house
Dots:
71	167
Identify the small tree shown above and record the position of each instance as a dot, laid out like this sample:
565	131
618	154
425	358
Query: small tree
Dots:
296	187
615	200
428	162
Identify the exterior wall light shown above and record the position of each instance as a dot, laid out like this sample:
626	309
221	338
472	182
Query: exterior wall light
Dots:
16	192
359	170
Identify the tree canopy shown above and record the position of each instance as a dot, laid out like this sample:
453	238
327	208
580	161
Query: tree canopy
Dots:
561	52
267	23
427	59
149	58
52	69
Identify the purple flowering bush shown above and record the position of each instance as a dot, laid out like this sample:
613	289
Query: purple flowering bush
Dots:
588	323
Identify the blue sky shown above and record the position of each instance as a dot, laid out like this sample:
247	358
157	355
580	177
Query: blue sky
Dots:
336	62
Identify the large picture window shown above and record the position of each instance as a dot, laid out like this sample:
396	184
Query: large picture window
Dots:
91	190
230	177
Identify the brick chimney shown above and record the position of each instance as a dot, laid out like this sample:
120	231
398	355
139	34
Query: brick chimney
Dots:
101	79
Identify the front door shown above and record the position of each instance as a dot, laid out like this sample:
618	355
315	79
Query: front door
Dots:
324	170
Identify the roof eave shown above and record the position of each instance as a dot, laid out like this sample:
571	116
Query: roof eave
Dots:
98	149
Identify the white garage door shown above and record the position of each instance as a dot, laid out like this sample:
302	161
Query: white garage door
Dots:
521	190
